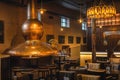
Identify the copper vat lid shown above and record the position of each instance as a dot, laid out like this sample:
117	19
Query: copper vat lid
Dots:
33	49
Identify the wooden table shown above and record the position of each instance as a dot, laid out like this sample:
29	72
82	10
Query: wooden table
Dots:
21	71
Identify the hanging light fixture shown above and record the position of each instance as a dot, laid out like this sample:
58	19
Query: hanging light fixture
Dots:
101	10
42	10
80	19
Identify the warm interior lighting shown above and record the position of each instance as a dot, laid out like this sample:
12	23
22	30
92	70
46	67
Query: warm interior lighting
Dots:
80	20
100	26
101	11
115	20
42	11
61	29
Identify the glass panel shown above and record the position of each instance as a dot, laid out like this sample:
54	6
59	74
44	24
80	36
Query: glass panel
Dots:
63	20
63	24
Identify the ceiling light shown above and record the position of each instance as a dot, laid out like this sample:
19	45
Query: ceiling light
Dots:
101	11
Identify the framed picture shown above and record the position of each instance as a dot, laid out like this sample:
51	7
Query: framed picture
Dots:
70	39
61	39
1	31
49	37
78	40
84	40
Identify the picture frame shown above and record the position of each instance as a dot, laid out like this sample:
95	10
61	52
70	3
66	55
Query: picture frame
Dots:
61	39
78	40
70	39
1	31
84	40
49	37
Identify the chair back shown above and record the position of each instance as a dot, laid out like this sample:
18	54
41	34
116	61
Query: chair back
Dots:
93	66
90	77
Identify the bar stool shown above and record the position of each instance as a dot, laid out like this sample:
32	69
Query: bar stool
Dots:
29	75
43	73
67	75
53	70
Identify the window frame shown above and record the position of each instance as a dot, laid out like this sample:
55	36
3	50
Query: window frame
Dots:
84	26
65	22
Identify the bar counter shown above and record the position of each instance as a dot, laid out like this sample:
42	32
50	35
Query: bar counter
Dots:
88	56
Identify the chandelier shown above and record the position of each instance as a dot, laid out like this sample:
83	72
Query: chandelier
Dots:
101	11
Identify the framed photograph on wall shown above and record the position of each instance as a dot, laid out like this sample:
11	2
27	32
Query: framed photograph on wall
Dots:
1	31
78	40
84	40
70	39
49	37
61	39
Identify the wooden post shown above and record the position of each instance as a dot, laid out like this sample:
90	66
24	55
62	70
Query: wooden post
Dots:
93	25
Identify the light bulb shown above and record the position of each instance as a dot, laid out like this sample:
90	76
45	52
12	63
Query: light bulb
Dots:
61	29
41	11
80	20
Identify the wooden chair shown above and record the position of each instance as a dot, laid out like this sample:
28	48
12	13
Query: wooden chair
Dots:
43	73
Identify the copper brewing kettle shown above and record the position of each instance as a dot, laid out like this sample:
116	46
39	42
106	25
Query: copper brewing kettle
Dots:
33	32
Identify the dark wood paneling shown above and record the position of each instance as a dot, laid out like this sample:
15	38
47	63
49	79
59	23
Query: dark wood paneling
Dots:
25	62
100	39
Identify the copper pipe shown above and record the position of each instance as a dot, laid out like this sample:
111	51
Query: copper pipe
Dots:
32	28
31	9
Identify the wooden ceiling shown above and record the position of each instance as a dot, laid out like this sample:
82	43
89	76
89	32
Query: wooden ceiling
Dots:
71	4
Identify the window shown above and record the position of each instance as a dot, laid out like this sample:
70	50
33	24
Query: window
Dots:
65	22
84	26
84	40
